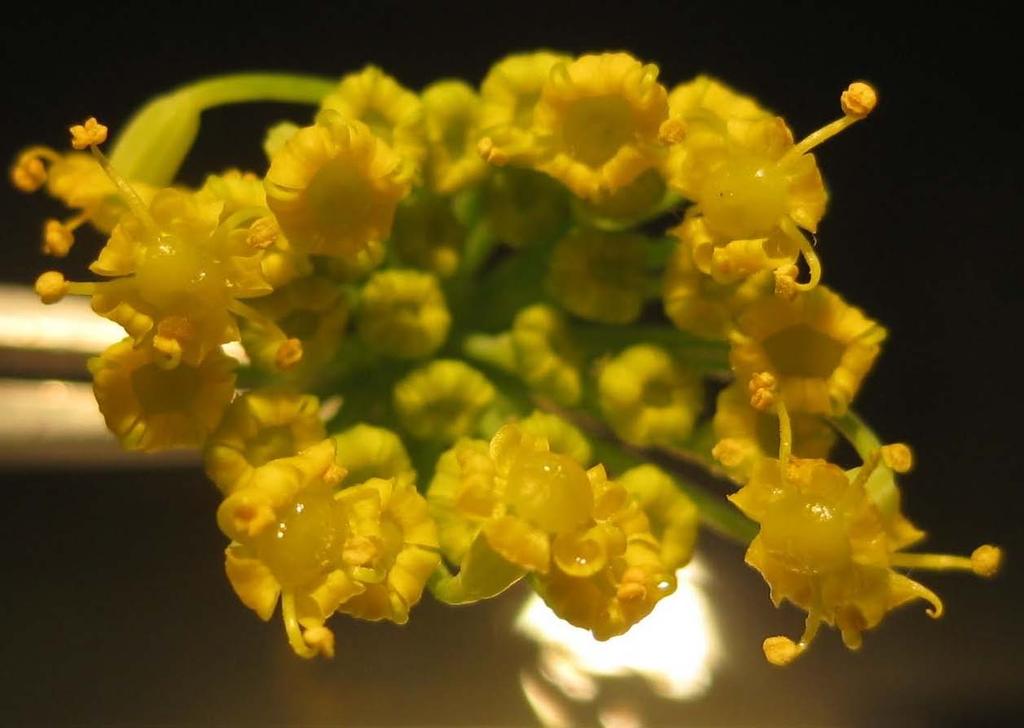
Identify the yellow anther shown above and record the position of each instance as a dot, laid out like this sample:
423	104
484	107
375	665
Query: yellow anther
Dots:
359	551
762	390
898	457
786	286
672	131
334	475
728	452
320	639
262	233
51	286
781	650
859	99
289	353
985	560
88	134
28	173
490	152
57	238
632	585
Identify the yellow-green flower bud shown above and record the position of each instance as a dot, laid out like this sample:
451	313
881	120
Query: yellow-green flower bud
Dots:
402	313
368	452
648	398
599	275
442	401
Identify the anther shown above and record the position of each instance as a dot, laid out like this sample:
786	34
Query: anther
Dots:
490	152
28	173
289	353
320	639
672	131
786	286
986	560
859	99
762	390
57	238
898	457
781	651
262	233
51	286
89	133
728	452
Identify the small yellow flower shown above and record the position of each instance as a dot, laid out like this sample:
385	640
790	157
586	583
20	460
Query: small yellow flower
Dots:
443	400
672	515
180	269
819	347
260	426
641	199
452	110
754	189
747	435
522	207
150	408
391	111
600	276
598	119
427	234
704	107
648	398
366	452
696	303
288	540
334	187
402	313
508	95
563	437
313	311
825	546
613	576
391	550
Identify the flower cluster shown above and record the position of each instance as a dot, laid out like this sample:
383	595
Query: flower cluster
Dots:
522	294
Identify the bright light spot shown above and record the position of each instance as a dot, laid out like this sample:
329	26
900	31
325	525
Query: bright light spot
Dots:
675	649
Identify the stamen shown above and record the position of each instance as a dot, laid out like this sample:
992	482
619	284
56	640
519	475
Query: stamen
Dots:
808	253
867	469
672	131
898	457
781	650
762	390
87	134
292	628
58	237
857	102
785	432
51	286
288	355
984	561
28	173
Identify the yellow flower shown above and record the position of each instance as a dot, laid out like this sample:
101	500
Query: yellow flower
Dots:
703	108
391	111
514	493
538	350
366	452
508	95
696	303
522	207
825	546
150	408
289	538
612	576
747	435
402	313
180	268
427	234
819	347
443	400
600	276
260	426
648	398
313	311
334	187
392	548
598	119
563	437
451	110
672	515
754	189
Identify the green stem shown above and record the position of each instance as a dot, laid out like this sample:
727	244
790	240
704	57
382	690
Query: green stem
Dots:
857	433
154	142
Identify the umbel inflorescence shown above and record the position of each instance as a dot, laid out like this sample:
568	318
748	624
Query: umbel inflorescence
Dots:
522	295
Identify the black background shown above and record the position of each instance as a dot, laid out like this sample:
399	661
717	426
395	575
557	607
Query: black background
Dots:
115	609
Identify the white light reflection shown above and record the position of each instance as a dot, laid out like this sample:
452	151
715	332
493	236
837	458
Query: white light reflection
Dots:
675	649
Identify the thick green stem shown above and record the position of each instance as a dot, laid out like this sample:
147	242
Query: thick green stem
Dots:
153	144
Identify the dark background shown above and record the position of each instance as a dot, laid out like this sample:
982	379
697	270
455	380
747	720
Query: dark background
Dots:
115	607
